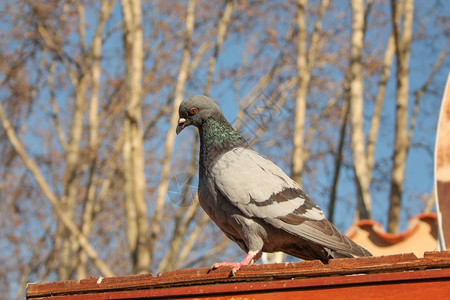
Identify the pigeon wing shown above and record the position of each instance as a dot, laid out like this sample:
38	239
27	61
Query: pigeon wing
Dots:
260	189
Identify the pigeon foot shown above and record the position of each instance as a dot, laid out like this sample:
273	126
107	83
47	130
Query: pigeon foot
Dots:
250	258
235	266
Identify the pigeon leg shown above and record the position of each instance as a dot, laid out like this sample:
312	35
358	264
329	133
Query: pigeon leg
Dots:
250	258
257	256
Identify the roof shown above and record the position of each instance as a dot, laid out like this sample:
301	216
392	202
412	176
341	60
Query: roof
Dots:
419	237
402	276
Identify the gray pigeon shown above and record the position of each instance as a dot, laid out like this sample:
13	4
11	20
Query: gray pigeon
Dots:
252	200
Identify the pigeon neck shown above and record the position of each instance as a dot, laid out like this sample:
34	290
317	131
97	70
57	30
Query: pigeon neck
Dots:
217	136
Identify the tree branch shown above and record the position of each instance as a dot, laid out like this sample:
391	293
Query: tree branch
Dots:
68	223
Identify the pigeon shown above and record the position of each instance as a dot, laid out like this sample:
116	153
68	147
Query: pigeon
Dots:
252	200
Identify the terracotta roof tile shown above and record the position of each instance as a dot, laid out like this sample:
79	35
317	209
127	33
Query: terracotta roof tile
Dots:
390	237
419	237
259	279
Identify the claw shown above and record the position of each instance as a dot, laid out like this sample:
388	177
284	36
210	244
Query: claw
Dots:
250	258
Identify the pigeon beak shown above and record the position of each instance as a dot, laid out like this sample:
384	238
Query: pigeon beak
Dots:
181	124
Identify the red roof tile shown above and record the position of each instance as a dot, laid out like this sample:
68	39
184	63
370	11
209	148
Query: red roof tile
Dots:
401	276
419	237
390	237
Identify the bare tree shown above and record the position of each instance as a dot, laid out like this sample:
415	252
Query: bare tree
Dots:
133	149
360	164
95	73
58	208
338	156
402	46
68	237
305	61
170	135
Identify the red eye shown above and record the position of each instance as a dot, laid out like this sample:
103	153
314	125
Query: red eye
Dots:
193	111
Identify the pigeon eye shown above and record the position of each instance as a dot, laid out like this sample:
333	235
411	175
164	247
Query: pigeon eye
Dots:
193	111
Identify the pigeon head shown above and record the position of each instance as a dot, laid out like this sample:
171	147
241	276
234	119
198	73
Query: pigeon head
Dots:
195	110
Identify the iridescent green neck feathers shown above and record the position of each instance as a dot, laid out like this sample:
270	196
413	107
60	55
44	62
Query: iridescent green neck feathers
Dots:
217	136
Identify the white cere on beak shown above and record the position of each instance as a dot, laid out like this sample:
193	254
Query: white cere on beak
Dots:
181	121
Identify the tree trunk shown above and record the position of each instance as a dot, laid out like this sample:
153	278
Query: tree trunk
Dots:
69	244
133	151
356	112
401	113
338	159
89	201
379	100
305	61
298	155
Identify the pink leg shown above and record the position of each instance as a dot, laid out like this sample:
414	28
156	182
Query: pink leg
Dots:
250	258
